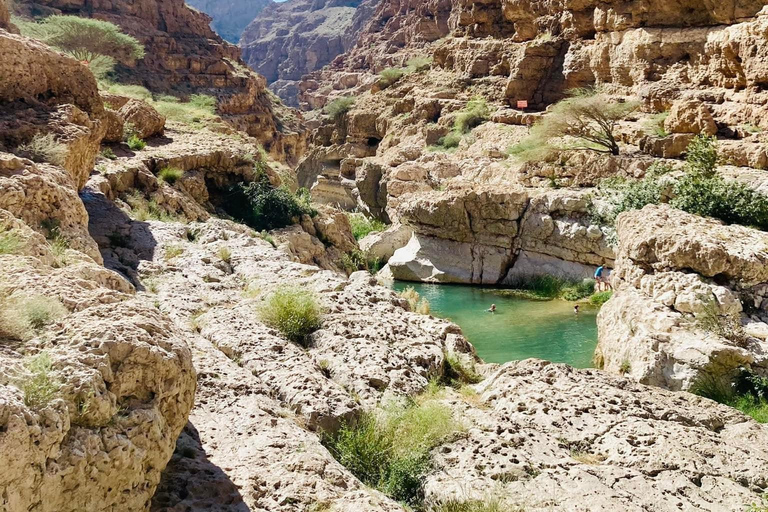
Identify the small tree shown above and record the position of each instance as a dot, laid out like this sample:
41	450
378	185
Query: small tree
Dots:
587	118
85	38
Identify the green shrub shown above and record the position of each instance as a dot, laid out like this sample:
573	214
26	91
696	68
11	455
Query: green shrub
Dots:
701	156
450	140
700	191
170	175
22	317
264	207
292	311
729	201
543	286
102	66
625	367
267	238
132	91
143	209
390	76
362	225
578	291
108	154
10	242
474	114
135	143
44	148
85	38
418	63
200	109
390	448
655	124
729	327
40	388
457	370
747	392
455	505
600	298
338	107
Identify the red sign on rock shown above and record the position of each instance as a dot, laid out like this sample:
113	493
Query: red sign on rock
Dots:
522	104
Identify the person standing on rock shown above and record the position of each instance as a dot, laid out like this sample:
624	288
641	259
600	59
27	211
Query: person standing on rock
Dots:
599	278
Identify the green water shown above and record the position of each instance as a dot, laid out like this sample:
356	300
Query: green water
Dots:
519	328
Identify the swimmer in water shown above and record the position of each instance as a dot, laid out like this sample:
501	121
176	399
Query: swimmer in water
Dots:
576	309
492	309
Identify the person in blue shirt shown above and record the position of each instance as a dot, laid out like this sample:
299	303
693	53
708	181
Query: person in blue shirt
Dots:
601	280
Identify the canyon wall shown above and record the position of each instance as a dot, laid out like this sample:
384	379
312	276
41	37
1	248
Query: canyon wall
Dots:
289	39
184	56
230	17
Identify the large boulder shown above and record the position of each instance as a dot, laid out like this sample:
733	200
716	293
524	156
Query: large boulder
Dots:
690	116
689	299
142	119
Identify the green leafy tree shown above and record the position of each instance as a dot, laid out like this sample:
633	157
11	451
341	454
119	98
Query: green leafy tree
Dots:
85	38
584	122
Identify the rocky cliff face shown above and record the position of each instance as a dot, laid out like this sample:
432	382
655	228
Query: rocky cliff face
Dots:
184	56
230	17
90	377
287	40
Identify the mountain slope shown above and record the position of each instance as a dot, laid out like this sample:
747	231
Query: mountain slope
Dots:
230	17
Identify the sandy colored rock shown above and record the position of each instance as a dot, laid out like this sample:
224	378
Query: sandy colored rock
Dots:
672	269
142	118
545	436
690	116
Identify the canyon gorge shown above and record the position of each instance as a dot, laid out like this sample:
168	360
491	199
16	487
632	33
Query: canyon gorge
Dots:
198	244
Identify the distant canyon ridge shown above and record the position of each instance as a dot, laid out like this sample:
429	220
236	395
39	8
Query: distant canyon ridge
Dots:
285	40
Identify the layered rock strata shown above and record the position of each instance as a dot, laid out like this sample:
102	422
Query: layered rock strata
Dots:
184	56
289	39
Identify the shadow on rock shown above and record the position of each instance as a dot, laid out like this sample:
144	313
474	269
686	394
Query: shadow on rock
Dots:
192	482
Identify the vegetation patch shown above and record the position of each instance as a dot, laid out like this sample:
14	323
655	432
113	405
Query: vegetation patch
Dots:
747	392
600	298
474	114
263	206
415	302
362	225
143	209
389	449
41	386
199	109
584	122
135	143
22	317
458	370
10	241
356	259
548	287
700	190
170	175
294	312
390	76
458	505
338	107
44	148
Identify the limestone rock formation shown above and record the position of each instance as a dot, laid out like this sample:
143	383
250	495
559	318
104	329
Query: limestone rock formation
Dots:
230	17
184	56
289	39
144	120
546	436
689	300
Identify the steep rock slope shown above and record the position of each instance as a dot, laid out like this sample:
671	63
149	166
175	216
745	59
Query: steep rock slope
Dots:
95	385
230	17
184	56
287	40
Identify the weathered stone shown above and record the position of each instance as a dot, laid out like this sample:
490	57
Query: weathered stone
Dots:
142	119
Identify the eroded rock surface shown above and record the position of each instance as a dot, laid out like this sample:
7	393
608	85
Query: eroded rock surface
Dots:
544	436
675	275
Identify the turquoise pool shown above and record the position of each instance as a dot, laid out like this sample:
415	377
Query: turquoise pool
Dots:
519	328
